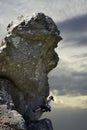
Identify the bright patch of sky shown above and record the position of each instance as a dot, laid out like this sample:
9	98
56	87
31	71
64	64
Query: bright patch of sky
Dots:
69	101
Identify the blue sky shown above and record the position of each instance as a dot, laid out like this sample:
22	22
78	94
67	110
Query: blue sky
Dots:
68	81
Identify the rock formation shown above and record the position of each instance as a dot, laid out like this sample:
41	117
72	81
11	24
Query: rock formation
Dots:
24	65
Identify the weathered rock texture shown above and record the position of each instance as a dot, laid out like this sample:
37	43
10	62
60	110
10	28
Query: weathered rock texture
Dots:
25	63
44	124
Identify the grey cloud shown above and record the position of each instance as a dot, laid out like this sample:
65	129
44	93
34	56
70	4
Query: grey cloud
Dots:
9	2
68	81
82	41
69	85
74	31
79	74
84	55
84	66
76	24
76	40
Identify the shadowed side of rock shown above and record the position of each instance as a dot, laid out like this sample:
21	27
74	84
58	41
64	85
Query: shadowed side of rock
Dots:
25	64
9	117
44	124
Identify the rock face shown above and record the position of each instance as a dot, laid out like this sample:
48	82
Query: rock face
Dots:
9	118
44	124
25	63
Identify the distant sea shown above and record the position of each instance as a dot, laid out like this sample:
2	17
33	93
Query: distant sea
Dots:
68	118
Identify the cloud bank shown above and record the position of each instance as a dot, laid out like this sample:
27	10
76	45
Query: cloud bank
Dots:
74	30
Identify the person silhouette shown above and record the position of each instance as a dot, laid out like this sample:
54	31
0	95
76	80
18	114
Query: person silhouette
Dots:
47	106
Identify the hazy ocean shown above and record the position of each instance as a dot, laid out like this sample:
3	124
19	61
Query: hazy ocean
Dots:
68	119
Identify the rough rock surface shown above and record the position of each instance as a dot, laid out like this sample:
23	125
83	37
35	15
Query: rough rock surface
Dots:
44	124
9	118
24	65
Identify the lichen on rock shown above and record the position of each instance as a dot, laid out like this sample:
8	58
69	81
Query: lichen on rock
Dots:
26	61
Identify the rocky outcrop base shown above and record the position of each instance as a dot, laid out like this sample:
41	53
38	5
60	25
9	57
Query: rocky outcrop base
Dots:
44	124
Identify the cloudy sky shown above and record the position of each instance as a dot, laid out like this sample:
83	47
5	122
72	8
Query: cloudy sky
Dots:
68	81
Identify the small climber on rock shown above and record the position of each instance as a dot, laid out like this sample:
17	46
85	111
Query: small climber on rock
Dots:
47	106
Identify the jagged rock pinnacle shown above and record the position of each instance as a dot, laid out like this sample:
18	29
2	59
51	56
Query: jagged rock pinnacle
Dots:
26	61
